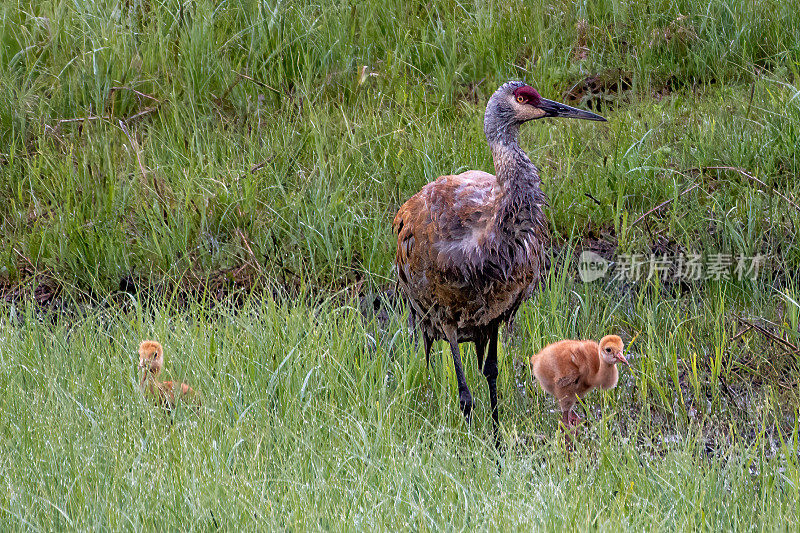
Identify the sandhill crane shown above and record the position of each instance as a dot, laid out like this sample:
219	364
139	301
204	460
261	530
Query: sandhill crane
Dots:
151	362
571	369
469	246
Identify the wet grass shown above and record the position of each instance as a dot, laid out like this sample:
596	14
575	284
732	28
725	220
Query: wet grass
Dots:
313	418
255	153
297	168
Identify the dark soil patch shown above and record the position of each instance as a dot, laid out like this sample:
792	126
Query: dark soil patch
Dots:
602	90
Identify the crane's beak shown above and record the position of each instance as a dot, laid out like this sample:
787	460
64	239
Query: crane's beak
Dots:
557	109
621	359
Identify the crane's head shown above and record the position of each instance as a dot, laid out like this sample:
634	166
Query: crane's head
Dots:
611	350
515	102
151	359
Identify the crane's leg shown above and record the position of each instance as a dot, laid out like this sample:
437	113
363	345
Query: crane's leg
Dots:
569	417
464	396
490	372
428	344
420	328
480	349
565	419
567	404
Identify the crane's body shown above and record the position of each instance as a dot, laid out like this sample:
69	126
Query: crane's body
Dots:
470	246
471	266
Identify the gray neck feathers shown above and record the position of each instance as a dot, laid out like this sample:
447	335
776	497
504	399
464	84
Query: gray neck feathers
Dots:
501	127
515	172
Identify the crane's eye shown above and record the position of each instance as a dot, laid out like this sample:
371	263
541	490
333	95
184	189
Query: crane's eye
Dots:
521	99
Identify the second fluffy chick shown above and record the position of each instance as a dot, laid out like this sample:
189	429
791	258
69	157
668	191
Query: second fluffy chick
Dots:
151	363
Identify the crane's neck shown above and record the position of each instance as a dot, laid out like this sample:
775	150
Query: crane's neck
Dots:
512	165
149	380
606	376
517	177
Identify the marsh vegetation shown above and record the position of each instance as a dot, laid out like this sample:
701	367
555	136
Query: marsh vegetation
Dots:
222	177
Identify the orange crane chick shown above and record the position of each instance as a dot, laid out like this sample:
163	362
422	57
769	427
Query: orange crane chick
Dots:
570	369
151	362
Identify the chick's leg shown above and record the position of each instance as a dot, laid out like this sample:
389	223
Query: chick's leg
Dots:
574	419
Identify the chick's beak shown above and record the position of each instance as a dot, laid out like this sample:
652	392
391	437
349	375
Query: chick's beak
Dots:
557	109
621	358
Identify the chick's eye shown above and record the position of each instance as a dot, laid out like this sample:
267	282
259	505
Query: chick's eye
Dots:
520	99
608	350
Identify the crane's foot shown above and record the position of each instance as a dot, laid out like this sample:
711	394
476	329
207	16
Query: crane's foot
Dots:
466	404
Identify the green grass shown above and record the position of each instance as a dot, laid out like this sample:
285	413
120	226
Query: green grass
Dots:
254	154
339	156
307	423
